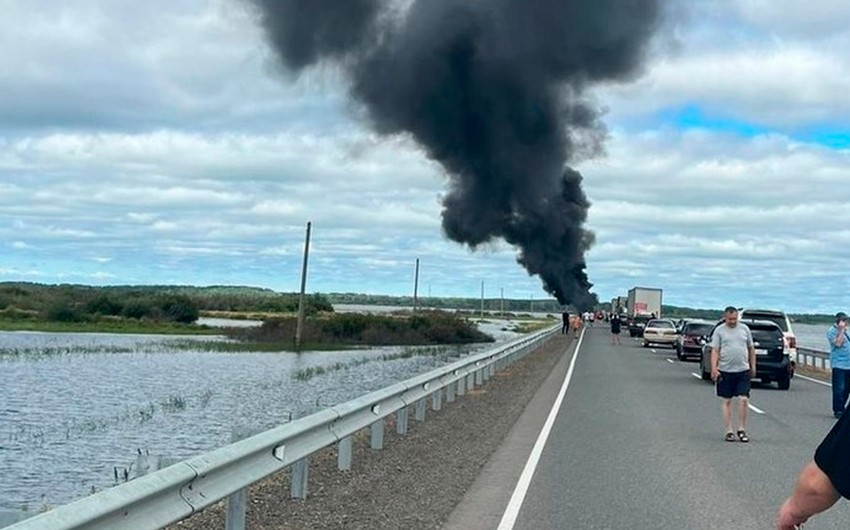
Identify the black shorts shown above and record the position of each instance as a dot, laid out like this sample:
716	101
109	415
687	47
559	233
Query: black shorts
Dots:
733	384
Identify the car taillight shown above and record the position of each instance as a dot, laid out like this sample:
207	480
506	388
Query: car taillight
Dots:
792	342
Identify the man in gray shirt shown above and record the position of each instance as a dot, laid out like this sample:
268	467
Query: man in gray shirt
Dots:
733	365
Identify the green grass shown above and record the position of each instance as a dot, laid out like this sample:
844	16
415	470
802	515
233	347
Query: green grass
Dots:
108	326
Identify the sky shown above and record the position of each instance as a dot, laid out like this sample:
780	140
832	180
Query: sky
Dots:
159	142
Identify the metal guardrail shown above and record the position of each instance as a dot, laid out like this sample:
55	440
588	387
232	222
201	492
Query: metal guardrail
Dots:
178	491
812	358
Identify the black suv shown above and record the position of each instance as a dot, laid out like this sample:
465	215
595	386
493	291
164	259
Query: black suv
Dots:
772	364
637	323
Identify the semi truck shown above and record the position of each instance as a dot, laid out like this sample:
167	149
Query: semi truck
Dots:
644	301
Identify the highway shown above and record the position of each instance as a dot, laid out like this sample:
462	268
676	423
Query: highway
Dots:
637	442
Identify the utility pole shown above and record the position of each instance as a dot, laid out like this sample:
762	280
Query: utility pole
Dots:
482	299
300	327
416	286
502	303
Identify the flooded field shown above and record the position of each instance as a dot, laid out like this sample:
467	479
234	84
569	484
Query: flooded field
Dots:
73	407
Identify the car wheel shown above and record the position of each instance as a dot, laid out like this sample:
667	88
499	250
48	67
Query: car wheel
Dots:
784	383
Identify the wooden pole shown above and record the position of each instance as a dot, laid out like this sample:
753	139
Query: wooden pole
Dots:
300	327
416	286
482	299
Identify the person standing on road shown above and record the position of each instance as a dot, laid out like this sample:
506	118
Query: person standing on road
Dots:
615	329
576	324
822	482
839	360
565	326
733	365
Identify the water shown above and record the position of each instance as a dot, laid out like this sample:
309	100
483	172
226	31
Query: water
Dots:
811	336
74	406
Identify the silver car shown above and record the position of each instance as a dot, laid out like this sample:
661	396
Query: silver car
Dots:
660	331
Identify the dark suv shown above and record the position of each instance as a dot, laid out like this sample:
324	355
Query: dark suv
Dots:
772	363
637	324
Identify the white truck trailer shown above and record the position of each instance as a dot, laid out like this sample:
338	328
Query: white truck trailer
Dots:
644	301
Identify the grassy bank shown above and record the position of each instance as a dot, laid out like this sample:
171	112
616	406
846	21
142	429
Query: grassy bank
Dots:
426	328
108	326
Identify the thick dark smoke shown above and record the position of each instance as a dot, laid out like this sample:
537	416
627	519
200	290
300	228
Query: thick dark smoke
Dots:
494	90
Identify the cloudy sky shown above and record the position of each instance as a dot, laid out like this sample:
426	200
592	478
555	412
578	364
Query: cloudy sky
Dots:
158	142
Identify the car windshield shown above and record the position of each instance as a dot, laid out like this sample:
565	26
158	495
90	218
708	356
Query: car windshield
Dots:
698	329
660	324
777	318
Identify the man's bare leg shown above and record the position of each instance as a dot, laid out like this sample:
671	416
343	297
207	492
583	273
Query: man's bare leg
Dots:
726	407
743	405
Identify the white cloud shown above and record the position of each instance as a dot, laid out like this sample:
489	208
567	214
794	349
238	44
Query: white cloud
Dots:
171	151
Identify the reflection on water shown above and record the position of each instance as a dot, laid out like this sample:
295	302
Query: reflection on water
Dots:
68	417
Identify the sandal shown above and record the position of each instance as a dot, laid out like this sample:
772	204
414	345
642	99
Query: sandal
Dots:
742	435
729	437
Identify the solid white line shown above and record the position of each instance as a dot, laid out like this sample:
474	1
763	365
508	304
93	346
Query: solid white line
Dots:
512	511
755	409
696	375
824	383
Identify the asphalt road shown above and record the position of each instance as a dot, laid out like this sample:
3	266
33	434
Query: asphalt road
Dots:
638	443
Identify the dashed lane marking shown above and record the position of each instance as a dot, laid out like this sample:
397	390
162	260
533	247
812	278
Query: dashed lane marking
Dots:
671	361
696	375
755	409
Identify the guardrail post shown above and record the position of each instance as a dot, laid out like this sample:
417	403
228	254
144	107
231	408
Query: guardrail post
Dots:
479	377
420	410
461	385
437	399
236	505
300	476
344	457
401	420
450	392
470	381
377	431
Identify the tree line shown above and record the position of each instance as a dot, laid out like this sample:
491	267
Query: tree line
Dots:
181	304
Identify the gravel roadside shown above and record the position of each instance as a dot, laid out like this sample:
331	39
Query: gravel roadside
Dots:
417	479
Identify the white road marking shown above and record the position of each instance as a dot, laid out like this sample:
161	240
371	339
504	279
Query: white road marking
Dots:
670	361
813	380
755	409
696	375
512	511
653	350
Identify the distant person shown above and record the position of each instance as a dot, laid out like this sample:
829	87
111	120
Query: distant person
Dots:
733	365
576	325
565	326
839	360
822	482
616	326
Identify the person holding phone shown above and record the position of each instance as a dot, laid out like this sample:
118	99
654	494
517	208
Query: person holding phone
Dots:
839	360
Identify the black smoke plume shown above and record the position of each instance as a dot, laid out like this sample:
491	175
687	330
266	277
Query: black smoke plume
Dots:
495	91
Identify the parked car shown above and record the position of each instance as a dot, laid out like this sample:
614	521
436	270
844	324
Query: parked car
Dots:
637	323
660	331
689	339
772	363
780	319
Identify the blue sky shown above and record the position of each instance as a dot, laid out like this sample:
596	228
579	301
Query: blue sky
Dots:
157	142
